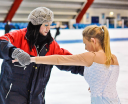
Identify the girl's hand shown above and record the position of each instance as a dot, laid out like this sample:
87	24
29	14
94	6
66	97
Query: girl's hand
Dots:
32	59
89	90
14	61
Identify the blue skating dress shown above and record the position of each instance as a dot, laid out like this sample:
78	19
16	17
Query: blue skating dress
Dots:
102	82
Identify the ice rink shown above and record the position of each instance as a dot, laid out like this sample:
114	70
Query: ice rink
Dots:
66	88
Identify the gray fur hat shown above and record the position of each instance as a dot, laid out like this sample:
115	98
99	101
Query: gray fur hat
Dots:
40	15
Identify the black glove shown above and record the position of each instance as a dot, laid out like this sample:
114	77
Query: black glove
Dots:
21	56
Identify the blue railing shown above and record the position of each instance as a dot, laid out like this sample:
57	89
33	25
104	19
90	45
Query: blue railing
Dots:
21	25
82	26
76	25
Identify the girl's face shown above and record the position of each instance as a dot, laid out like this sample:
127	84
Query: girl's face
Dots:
44	28
88	45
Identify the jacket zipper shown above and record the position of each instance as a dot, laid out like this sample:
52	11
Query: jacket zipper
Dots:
39	53
20	66
40	50
8	91
36	50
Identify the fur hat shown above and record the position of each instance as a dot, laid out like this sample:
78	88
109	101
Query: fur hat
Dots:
40	15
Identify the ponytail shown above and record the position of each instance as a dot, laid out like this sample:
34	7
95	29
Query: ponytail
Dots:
106	46
102	34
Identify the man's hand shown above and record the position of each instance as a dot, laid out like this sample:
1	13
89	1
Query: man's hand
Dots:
22	57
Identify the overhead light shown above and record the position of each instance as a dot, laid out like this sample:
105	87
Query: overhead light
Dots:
111	13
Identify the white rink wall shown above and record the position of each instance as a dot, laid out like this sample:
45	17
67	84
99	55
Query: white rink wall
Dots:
76	34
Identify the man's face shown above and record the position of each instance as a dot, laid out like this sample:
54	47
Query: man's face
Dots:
44	28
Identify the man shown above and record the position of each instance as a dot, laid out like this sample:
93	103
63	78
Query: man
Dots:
25	83
8	27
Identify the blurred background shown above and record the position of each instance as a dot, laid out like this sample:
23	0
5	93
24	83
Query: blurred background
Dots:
75	15
72	13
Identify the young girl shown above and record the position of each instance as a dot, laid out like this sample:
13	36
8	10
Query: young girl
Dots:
102	68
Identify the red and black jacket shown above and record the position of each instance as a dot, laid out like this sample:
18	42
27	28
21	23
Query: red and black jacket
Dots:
26	85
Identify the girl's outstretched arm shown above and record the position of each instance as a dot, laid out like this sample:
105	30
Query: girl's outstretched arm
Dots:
84	59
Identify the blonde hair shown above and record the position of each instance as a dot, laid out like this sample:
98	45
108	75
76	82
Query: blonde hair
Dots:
102	34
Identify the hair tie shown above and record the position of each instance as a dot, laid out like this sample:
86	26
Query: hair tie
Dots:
102	29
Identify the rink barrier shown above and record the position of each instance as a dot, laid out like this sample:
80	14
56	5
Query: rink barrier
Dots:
81	41
75	35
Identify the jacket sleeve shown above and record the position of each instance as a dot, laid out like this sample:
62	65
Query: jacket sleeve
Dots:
8	43
5	48
73	69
